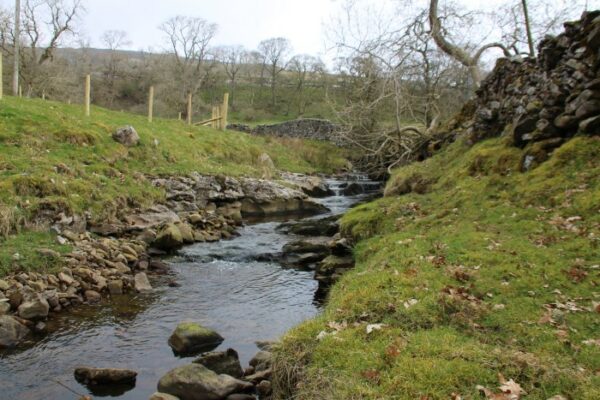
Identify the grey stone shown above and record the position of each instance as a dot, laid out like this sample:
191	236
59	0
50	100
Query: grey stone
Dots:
222	362
141	283
196	382
127	136
35	307
11	331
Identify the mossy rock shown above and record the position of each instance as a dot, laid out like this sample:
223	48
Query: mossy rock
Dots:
193	338
169	238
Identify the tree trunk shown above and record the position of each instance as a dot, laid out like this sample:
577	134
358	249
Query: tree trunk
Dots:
528	29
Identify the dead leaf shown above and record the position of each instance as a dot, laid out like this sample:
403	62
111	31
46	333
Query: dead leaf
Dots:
371	375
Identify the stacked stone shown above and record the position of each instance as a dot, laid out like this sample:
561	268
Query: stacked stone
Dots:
545	100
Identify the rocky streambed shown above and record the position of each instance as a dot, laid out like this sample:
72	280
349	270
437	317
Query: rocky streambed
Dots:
251	287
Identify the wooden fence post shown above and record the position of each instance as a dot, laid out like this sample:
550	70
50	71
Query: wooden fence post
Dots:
1	77
224	111
87	95
189	109
150	103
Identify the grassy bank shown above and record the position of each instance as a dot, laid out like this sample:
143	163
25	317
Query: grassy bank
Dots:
53	159
476	270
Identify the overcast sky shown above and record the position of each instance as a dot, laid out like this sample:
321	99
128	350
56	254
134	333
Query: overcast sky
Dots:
244	22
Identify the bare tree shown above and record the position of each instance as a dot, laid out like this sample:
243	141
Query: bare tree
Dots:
232	58
470	59
189	41
275	52
303	67
113	40
45	24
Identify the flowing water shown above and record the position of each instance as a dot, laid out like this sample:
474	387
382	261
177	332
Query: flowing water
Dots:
223	285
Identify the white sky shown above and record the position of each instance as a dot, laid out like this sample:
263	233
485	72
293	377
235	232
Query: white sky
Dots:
244	22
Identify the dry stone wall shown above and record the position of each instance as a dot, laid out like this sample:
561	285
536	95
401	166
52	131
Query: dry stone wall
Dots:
541	102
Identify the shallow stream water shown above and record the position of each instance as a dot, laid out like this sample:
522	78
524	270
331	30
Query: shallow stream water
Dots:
222	286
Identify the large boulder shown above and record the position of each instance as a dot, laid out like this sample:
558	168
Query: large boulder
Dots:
190	338
11	331
222	362
127	136
196	382
313	227
169	237
34	307
104	376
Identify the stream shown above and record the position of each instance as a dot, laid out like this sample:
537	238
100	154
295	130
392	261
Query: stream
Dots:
223	285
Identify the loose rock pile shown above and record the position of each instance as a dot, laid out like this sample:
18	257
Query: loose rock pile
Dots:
540	103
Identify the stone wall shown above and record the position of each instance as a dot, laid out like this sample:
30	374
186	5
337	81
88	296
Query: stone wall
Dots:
541	102
308	128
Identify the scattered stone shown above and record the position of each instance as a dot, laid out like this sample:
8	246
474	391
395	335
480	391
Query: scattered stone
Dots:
4	306
264	388
141	283
262	361
35	307
4	286
11	331
127	136
222	362
91	296
196	382
190	338
115	287
169	238
104	376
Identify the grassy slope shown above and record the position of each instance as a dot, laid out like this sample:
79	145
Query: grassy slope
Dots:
482	252
52	157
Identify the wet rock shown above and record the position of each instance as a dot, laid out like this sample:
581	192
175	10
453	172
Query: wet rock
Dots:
34	307
257	377
262	360
141	283
196	382
313	245
127	136
264	388
190	338
12	331
91	296
104	376
115	287
353	189
331	268
318	227
162	396
169	238
158	266
222	362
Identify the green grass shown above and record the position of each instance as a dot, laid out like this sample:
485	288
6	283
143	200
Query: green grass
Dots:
53	159
482	248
